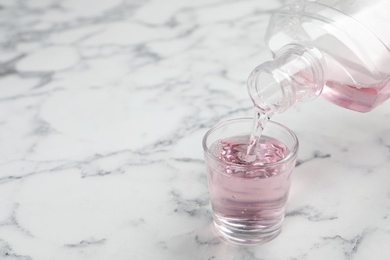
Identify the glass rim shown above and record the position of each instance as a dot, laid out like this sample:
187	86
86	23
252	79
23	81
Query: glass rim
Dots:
291	154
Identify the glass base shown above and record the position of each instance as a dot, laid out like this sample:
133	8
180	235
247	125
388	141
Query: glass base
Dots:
246	232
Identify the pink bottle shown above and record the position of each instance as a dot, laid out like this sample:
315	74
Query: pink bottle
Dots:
336	49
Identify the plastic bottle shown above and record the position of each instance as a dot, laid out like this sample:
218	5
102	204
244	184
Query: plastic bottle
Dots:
339	49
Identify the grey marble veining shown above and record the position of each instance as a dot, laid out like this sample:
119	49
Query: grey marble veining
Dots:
103	105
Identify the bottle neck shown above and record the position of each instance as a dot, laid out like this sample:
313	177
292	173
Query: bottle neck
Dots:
296	74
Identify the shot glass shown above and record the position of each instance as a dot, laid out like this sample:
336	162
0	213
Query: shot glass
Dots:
249	201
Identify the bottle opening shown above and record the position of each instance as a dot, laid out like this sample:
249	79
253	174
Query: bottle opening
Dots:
268	89
295	75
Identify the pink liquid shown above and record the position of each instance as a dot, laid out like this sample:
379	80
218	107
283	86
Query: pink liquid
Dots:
361	99
248	199
260	119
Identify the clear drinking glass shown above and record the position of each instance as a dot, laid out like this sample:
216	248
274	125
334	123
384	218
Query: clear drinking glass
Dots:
249	201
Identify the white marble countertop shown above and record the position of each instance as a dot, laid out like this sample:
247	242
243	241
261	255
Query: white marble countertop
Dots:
103	105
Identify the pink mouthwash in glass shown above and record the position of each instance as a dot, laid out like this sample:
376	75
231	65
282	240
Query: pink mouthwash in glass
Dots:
249	196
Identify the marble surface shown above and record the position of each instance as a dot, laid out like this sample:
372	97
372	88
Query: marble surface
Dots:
103	105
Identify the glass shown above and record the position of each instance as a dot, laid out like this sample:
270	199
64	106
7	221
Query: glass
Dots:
249	201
